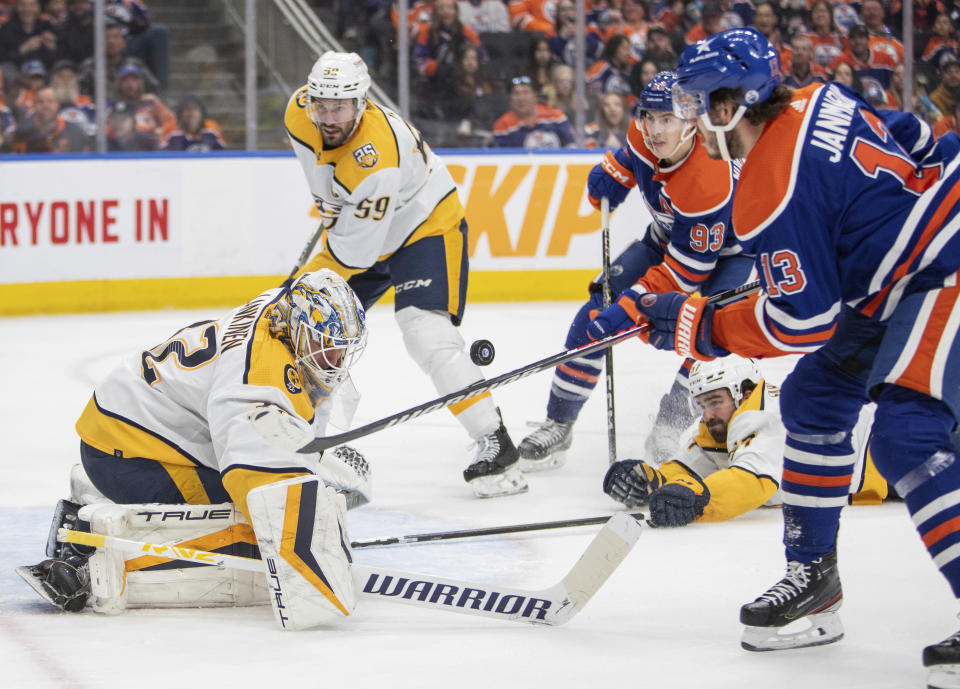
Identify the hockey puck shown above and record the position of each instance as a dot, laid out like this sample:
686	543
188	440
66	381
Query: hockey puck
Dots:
482	352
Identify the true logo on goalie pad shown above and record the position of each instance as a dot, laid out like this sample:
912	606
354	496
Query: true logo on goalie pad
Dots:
274	582
510	605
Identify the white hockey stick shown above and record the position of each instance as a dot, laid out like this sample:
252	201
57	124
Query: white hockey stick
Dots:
553	606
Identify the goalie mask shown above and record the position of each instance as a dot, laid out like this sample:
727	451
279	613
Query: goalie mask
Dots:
656	120
337	77
327	329
728	373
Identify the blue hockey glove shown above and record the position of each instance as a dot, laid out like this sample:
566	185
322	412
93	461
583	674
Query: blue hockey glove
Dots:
680	322
630	481
678	504
611	178
620	315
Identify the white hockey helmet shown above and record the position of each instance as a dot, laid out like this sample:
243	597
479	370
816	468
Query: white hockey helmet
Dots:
729	372
339	76
327	328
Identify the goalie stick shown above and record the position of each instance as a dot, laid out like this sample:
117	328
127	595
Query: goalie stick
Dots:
283	429
551	606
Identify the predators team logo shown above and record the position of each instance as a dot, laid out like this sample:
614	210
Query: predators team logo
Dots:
366	156
291	379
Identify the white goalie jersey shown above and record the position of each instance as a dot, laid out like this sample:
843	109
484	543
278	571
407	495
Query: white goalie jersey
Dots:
382	189
187	401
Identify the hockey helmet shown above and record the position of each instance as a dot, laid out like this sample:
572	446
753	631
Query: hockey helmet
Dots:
733	59
327	328
338	76
728	373
658	93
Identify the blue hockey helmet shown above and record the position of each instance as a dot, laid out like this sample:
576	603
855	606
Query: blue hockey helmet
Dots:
736	58
733	59
657	95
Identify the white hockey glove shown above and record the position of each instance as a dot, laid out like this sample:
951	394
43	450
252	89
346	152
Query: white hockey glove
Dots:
346	470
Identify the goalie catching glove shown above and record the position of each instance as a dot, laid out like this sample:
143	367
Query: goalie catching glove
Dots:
675	499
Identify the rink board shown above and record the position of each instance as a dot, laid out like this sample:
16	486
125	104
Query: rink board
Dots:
102	233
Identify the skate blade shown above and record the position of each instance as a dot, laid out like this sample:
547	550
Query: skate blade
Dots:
510	482
36	577
820	630
552	461
944	677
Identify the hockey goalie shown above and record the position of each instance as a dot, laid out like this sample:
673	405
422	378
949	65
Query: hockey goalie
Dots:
175	449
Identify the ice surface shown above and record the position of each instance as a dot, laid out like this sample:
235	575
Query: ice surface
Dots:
666	618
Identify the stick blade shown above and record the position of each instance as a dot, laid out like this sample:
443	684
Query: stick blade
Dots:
604	554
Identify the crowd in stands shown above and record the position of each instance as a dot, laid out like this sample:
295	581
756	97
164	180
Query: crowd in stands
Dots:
47	82
518	89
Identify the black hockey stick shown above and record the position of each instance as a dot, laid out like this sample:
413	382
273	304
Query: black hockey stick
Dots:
608	354
485	531
278	427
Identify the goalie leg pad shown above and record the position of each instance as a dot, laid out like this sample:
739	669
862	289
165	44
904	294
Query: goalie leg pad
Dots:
300	526
121	580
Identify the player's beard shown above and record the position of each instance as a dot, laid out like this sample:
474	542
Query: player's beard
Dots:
718	430
335	140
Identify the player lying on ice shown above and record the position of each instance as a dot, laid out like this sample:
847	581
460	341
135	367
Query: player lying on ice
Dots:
730	462
853	216
173	426
687	247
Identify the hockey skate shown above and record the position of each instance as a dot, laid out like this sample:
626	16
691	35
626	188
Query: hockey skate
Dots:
494	471
942	662
546	447
64	578
810	592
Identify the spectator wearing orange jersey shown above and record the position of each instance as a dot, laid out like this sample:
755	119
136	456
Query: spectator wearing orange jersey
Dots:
528	124
942	42
711	22
828	41
868	64
74	106
533	15
948	123
872	15
194	132
153	118
45	131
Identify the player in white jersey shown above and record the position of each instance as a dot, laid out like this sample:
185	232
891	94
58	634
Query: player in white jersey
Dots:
732	460
176	425
392	217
